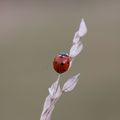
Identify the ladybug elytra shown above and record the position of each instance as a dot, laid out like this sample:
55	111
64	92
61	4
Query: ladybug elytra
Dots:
61	62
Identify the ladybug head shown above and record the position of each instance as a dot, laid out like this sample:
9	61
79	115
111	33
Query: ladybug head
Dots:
63	54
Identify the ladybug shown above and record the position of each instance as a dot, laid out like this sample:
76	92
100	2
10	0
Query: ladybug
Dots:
61	62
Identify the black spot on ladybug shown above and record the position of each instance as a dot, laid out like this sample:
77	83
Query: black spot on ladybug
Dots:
64	70
62	63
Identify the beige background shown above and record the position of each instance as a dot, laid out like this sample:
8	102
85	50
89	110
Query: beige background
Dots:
31	33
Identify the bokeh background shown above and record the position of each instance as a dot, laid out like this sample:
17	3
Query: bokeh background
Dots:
32	32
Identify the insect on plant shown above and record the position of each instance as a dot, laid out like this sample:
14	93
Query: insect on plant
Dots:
62	63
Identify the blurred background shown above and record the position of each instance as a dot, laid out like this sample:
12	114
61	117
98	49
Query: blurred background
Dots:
32	32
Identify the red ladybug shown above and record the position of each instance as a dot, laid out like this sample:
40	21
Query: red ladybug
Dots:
61	62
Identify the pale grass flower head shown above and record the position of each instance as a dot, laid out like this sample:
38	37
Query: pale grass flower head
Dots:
55	90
